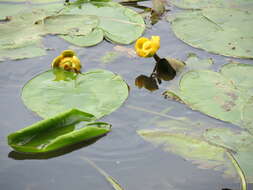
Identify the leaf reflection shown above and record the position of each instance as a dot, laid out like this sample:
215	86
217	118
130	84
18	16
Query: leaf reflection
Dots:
147	82
62	151
162	71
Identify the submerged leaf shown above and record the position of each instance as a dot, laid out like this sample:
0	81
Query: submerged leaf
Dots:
98	92
190	148
217	30
110	179
57	132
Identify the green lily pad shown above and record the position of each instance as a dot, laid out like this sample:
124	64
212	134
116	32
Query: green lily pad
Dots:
10	9
247	115
242	81
94	37
200	4
216	30
190	148
28	50
241	143
192	63
213	94
32	1
223	95
118	23
85	26
98	92
57	132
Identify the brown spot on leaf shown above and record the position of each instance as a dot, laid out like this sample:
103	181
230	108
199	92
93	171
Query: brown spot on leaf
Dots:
228	105
232	95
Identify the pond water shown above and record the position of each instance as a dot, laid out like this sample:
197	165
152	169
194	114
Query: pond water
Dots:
133	162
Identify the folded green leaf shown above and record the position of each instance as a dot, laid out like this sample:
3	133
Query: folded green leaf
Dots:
57	132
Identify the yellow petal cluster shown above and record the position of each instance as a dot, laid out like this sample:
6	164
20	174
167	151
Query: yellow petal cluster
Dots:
67	61
145	47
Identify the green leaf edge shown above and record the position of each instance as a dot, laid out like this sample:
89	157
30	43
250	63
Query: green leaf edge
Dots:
72	116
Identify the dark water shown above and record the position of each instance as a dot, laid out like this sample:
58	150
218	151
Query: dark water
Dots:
136	164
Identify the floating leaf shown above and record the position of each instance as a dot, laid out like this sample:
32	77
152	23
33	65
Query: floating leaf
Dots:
85	26
118	23
213	94
217	30
94	37
27	50
234	72
222	95
191	148
192	63
31	1
241	143
98	92
8	10
200	4
247	115
57	132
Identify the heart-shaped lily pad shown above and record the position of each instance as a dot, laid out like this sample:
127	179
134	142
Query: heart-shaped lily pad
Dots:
200	4
84	25
98	92
223	95
218	30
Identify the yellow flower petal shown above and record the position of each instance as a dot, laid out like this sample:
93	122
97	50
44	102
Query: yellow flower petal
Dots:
68	53
56	61
145	47
67	61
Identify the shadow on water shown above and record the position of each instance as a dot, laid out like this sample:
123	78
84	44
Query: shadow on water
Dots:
162	71
42	156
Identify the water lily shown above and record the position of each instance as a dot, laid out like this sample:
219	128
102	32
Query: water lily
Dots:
145	47
67	61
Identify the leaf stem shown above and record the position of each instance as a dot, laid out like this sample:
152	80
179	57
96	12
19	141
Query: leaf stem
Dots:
239	170
156	57
110	179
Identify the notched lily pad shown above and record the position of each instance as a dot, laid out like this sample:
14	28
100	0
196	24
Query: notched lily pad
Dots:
194	149
239	142
224	95
200	4
85	26
217	30
98	92
57	132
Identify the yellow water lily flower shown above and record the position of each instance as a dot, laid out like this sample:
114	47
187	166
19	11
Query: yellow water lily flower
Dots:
67	61
145	47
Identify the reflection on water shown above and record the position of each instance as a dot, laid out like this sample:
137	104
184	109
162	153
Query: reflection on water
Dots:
135	163
27	156
162	70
